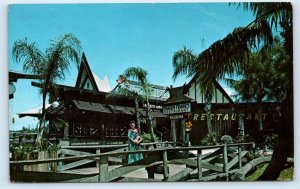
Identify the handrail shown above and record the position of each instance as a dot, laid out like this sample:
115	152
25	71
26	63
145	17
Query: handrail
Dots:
112	146
51	160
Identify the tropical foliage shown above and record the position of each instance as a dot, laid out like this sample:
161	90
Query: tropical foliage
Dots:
52	64
141	77
229	56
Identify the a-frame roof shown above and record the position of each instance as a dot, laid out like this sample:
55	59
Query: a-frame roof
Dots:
216	84
85	74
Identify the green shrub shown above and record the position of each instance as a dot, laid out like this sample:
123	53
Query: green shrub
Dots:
147	137
243	138
270	140
226	139
209	140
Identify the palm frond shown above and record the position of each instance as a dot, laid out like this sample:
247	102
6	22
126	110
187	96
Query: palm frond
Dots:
137	73
30	55
60	54
273	12
228	56
184	62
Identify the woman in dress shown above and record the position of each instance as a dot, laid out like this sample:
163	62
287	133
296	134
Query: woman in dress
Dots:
133	143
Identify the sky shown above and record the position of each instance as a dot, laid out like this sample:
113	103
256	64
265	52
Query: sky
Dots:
117	36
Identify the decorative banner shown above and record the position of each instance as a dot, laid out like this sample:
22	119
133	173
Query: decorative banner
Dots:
177	108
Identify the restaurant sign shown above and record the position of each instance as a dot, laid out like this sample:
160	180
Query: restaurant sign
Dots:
177	108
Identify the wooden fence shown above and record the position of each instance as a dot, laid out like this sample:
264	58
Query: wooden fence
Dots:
223	161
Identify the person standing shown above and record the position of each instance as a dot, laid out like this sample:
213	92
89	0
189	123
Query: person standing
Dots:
134	143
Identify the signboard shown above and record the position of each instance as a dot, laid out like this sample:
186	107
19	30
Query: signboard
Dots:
156	92
177	108
176	116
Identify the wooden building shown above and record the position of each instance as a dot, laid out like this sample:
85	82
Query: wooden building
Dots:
86	113
226	117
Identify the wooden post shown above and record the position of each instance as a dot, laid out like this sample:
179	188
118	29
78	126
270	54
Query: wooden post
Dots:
103	169
240	156
60	163
199	163
165	164
150	171
253	148
225	168
98	162
173	130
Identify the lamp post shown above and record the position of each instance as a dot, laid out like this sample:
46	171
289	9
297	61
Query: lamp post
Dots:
12	90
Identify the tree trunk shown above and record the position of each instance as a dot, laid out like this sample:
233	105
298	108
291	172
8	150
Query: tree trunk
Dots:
207	109
208	121
285	144
149	121
137	114
283	150
42	122
259	111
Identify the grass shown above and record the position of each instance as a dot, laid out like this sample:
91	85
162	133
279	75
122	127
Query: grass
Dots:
285	175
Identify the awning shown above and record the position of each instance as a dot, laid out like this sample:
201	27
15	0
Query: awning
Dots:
33	112
122	109
154	113
91	106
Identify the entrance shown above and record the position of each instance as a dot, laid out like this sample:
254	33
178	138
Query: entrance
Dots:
178	131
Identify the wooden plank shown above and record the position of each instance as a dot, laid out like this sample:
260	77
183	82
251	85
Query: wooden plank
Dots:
74	152
36	176
206	165
120	171
179	175
241	173
236	159
133	179
218	175
74	164
210	156
115	159
188	162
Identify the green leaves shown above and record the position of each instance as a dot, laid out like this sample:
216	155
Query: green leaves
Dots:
52	64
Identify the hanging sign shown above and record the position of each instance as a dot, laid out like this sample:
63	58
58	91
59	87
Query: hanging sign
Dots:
177	108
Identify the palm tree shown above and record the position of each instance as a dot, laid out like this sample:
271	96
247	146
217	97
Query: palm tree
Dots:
141	76
52	64
229	55
261	80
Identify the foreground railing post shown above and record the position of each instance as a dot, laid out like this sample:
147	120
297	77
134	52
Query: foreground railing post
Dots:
103	169
240	156
253	147
98	153
225	167
165	164
199	163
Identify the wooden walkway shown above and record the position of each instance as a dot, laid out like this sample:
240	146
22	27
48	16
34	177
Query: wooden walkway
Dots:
162	164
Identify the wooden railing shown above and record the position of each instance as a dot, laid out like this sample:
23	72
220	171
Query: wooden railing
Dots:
159	156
